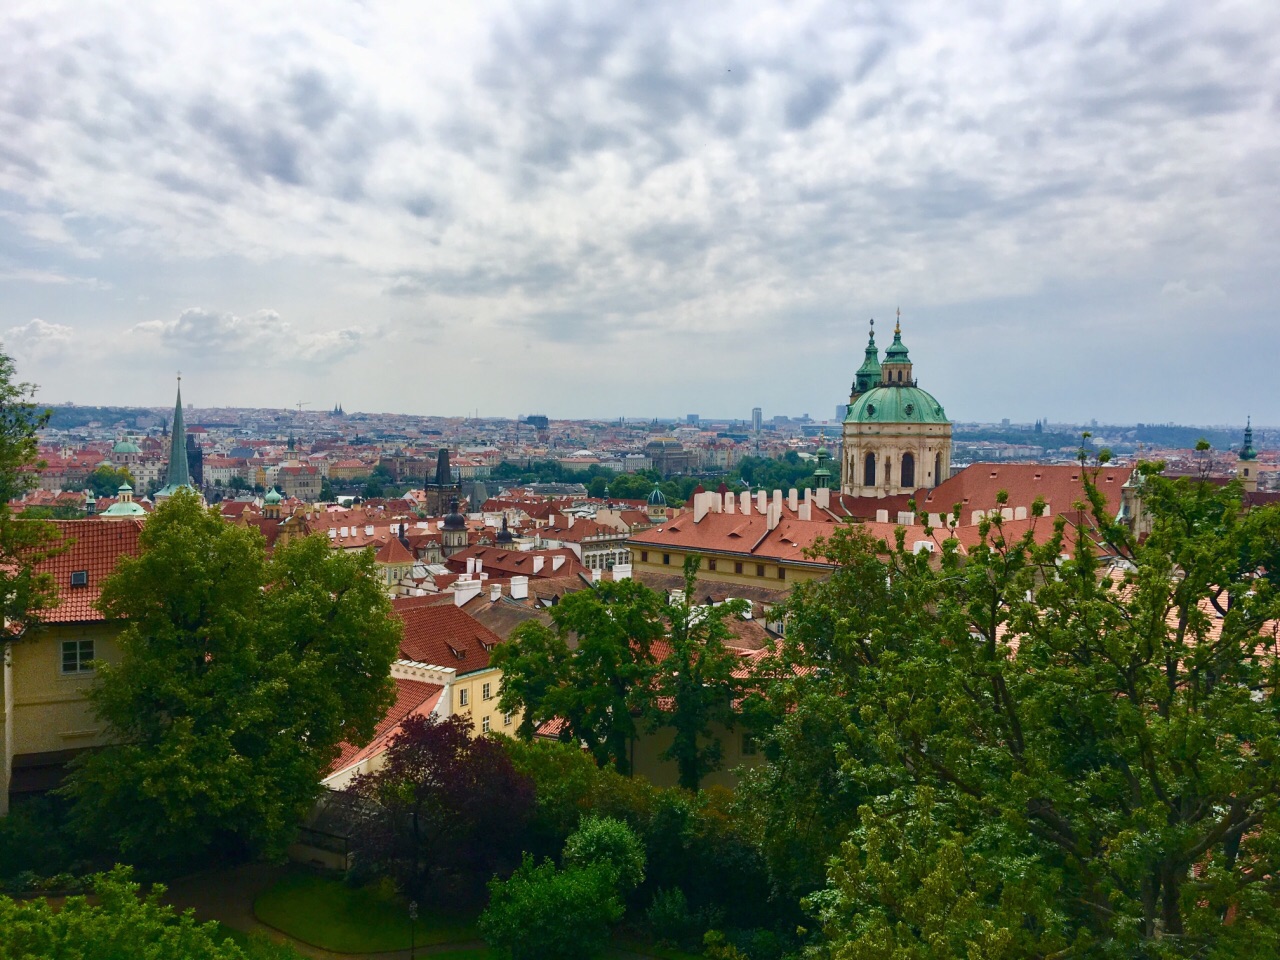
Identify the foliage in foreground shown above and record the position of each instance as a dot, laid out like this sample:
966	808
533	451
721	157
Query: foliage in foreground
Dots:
442	801
541	911
122	924
224	702
1031	754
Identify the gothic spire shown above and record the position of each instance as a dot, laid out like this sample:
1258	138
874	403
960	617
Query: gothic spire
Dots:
179	472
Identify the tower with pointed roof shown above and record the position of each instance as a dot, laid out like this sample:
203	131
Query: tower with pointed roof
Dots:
179	474
1246	457
897	438
453	530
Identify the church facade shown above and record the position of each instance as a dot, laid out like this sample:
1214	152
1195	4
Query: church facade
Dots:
897	438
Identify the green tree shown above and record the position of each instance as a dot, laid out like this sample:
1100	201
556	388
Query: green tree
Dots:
544	912
326	490
595	688
604	841
694	683
121	923
238	679
598	487
106	480
1052	755
24	591
59	511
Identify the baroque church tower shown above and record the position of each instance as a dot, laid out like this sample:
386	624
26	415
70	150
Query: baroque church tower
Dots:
897	438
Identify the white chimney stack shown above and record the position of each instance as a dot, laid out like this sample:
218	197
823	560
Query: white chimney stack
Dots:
730	503
595	576
495	591
745	499
557	562
471	564
464	591
824	497
793	501
537	564
761	502
622	571
519	588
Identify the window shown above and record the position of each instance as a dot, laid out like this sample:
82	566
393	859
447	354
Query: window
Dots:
759	569
79	578
937	469
485	693
869	471
711	563
506	719
484	725
666	558
749	747
644	556
76	656
462	697
782	573
908	470
737	568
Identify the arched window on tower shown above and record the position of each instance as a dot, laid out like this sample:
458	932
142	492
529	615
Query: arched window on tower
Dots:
937	470
909	471
869	471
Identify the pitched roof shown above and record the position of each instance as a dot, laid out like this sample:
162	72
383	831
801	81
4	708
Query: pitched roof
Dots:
443	635
412	697
94	547
393	551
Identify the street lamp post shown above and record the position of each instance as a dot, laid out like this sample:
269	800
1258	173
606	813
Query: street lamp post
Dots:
413	930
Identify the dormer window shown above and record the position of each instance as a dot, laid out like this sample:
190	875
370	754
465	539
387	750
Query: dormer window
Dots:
79	578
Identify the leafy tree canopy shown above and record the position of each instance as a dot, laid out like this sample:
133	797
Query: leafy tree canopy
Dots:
238	678
105	480
1034	751
24	592
121	923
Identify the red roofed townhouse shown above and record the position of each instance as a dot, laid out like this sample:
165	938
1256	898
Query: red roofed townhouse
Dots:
47	719
454	647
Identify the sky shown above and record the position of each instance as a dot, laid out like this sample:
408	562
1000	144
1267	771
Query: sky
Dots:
601	209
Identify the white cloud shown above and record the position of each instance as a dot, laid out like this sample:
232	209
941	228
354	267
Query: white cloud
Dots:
261	338
39	340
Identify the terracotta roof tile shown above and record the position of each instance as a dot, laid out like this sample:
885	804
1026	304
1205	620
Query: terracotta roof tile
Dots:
443	635
94	547
412	697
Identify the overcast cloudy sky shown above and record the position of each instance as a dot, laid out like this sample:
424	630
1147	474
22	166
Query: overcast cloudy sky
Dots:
600	208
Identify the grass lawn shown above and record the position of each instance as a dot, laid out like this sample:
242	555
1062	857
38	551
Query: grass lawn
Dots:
326	913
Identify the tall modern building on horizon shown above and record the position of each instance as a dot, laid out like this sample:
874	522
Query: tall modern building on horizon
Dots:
757	419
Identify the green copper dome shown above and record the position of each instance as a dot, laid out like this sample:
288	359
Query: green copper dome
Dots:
125	446
896	405
897	352
868	374
656	498
273	496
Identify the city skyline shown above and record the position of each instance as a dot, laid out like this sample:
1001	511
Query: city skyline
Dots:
590	211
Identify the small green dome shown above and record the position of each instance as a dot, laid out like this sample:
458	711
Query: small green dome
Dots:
656	499
125	446
124	508
896	405
273	496
897	352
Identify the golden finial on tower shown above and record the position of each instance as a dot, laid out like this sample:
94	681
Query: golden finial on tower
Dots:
897	327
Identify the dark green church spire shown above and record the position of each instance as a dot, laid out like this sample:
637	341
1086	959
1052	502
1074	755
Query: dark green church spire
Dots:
868	374
179	474
1247	452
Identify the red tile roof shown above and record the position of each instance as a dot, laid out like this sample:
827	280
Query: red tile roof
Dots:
412	697
95	547
443	635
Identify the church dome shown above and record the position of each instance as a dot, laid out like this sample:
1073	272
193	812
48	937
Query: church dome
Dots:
453	520
896	405
656	499
273	496
125	447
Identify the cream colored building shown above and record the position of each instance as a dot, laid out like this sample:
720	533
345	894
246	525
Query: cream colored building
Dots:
47	674
897	438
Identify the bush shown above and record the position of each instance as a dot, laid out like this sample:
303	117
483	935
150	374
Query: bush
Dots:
542	912
670	920
604	841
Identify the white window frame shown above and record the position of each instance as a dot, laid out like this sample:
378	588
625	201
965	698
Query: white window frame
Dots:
462	696
486	692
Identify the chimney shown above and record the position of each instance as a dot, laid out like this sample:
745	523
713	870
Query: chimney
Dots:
622	571
471	564
792	500
570	518
774	512
806	510
699	507
537	564
730	503
595	576
519	588
495	591
465	590
882	516
760	502
777	500
824	497
479	565
557	562
745	500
